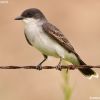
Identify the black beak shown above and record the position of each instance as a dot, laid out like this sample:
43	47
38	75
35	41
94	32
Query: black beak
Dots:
19	18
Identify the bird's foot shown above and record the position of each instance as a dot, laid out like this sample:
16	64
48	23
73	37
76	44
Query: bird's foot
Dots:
58	67
39	67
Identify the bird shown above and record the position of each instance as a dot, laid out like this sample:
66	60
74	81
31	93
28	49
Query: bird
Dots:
50	41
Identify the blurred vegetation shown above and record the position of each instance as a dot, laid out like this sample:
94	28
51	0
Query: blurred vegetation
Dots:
67	90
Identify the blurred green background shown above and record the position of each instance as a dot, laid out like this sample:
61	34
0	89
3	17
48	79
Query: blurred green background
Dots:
79	20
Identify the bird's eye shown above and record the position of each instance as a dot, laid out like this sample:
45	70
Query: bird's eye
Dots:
29	15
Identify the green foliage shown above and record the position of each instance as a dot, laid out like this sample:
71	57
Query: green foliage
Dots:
67	90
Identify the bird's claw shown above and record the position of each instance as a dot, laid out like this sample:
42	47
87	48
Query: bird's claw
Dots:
39	67
58	67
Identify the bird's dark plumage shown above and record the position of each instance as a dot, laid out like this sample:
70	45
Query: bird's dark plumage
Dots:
33	13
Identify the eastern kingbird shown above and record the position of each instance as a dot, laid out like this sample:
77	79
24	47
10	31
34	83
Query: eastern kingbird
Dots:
49	40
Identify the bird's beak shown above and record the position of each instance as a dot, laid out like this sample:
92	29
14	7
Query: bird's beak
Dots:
19	18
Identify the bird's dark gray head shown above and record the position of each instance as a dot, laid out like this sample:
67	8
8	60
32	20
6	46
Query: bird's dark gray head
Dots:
31	13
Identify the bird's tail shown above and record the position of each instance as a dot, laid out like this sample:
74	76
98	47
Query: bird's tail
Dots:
88	72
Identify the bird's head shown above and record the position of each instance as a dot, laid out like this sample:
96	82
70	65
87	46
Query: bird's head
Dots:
31	15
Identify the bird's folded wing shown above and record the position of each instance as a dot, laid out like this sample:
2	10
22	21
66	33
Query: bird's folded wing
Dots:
57	35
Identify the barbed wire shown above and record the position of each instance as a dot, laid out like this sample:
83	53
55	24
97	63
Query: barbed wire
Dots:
70	67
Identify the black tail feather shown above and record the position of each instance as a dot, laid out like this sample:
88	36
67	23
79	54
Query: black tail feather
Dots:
86	71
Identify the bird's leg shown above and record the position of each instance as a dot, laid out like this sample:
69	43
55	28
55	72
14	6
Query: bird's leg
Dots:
59	65
39	67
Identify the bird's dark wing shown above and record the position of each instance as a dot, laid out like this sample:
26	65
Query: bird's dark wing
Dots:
55	33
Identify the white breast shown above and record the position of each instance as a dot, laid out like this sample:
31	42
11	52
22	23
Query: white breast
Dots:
40	40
